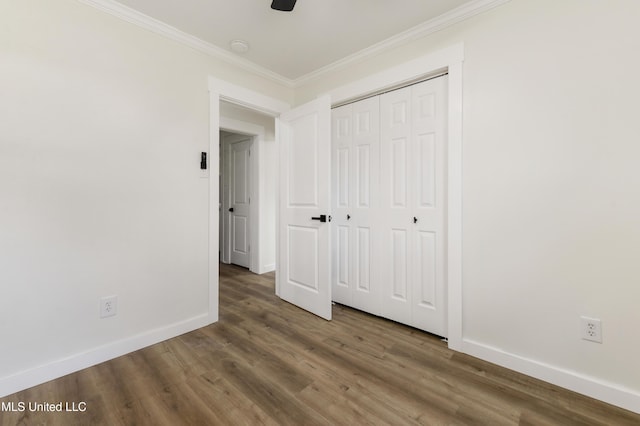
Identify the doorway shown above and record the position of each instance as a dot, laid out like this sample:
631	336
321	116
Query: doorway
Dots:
247	193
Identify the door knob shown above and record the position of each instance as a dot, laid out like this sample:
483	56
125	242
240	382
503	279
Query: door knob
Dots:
348	217
415	219
231	209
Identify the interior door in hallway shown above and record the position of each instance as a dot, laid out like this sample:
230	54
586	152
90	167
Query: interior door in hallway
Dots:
239	201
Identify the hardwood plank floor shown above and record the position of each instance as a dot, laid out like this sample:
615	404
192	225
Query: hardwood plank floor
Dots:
267	362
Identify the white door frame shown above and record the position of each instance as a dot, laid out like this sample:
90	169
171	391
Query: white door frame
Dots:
222	90
258	133
449	59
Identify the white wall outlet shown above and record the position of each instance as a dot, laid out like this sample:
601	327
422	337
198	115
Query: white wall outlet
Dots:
108	306
591	329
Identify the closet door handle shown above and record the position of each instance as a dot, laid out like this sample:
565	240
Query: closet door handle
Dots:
231	209
348	217
415	219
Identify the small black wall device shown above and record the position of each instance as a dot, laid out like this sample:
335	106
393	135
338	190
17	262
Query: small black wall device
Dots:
203	161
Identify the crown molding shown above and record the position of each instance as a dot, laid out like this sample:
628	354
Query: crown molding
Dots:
445	20
461	13
141	20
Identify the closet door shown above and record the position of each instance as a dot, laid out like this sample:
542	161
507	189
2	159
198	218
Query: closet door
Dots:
412	187
428	252
356	140
396	211
342	196
363	214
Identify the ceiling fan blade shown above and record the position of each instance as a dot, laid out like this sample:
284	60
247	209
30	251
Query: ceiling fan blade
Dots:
283	5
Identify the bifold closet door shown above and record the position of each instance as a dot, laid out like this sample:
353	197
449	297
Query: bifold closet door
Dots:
412	210
355	162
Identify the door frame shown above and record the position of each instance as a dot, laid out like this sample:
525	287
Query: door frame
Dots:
449	59
258	134
220	90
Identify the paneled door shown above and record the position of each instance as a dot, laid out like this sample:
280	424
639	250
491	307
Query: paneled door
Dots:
412	191
239	201
396	209
355	162
304	262
428	263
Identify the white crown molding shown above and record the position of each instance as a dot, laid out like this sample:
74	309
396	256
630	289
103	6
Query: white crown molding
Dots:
445	20
134	17
452	17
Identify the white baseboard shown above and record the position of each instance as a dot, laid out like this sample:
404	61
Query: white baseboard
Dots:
589	386
59	368
268	268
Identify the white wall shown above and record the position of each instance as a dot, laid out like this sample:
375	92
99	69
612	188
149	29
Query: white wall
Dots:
102	123
266	179
551	196
101	128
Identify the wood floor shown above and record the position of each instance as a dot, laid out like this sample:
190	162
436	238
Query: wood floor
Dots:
268	362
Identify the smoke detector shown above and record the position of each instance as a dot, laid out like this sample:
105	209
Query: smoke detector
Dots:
239	46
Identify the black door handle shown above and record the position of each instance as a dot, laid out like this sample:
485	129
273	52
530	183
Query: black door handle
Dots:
348	217
231	209
321	218
415	219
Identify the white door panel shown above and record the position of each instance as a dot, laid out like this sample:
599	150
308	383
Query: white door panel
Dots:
365	165
239	202
342	142
342	256
363	260
428	120
363	172
412	190
304	135
396	214
355	178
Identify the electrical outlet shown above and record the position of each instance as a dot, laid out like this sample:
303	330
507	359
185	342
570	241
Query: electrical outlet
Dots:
108	306
591	329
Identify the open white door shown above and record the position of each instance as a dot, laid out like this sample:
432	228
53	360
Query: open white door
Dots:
304	264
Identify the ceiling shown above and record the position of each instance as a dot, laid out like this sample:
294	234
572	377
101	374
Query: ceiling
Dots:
294	44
